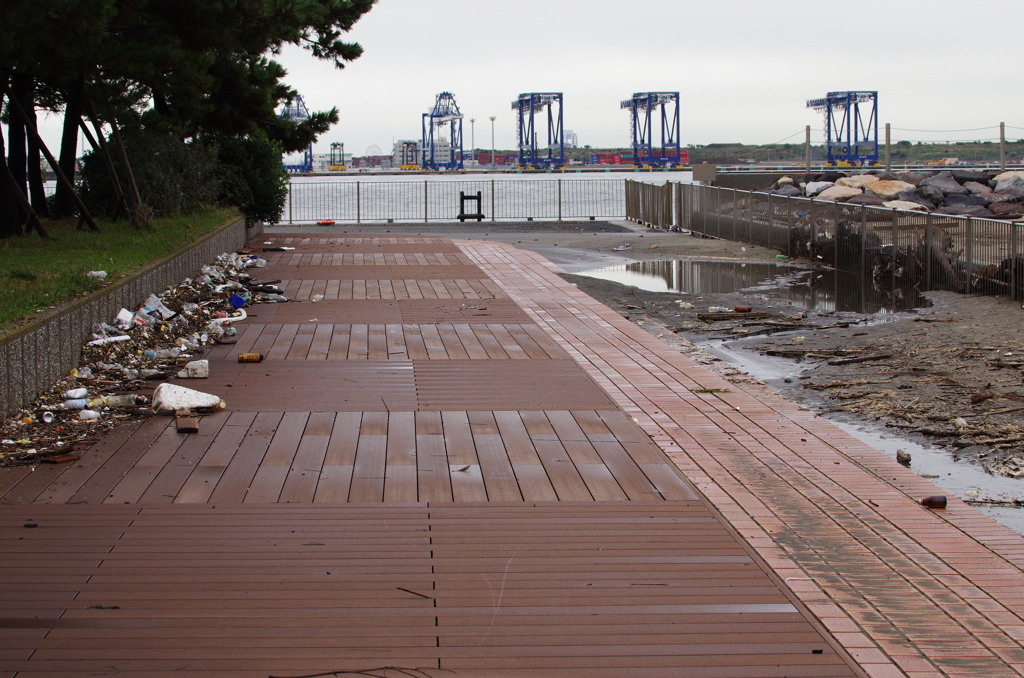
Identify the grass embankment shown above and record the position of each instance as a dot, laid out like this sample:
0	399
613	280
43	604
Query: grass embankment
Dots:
36	273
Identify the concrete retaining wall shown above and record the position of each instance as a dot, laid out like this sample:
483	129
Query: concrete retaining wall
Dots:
35	356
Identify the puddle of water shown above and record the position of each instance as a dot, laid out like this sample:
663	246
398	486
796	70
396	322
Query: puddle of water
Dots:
952	477
817	289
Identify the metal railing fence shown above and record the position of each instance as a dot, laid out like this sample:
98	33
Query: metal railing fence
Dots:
897	248
509	199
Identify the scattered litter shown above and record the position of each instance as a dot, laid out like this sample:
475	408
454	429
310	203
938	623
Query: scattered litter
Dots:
622	248
250	357
186	422
170	398
99	275
197	369
937	501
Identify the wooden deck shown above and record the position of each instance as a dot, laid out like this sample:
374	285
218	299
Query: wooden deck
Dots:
458	464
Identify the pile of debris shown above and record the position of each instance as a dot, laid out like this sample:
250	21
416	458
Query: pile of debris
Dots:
992	195
940	380
126	358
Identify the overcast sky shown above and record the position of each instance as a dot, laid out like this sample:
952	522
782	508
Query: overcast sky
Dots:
744	69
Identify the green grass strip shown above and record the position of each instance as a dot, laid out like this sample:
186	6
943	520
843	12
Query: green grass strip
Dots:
36	274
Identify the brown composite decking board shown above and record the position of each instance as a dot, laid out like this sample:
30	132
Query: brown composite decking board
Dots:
837	520
436	274
501	444
474	293
474	589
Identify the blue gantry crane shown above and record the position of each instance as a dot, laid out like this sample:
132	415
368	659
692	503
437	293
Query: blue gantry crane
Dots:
445	113
642	109
531	154
296	110
850	138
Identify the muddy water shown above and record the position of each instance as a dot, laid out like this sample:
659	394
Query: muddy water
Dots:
821	289
962	479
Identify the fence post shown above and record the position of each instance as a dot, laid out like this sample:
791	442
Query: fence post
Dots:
771	221
426	203
290	202
1014	242
789	227
814	229
928	237
359	213
895	245
970	253
734	199
863	244
559	199
493	216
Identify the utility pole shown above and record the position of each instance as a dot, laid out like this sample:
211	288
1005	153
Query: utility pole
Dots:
472	135
1002	147
493	117
807	148
888	150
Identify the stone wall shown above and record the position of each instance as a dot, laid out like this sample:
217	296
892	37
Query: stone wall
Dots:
37	355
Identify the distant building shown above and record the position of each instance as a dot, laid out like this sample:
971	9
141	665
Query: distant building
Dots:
405	152
322	161
442	152
570	138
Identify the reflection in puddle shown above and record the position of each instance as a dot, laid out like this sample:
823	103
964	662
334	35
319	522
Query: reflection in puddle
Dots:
819	289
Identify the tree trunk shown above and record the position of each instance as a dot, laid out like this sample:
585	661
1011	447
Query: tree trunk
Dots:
16	157
35	170
10	224
64	202
104	147
83	211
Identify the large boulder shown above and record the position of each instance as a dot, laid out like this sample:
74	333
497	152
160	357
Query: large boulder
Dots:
904	205
1014	183
831	176
946	182
889	189
932	194
784	181
999	197
816	187
1006	209
965	211
788	191
868	199
963	176
956	199
913	177
887	176
1006	175
839	193
975	188
912	196
857	180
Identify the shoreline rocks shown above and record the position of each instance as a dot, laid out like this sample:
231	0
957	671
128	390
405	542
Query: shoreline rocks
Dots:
993	195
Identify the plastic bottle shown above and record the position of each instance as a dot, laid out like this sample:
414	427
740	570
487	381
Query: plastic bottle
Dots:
76	393
162	354
89	414
275	298
717	309
124	400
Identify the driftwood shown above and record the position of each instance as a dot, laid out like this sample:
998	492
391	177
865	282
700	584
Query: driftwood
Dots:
716	317
859	359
